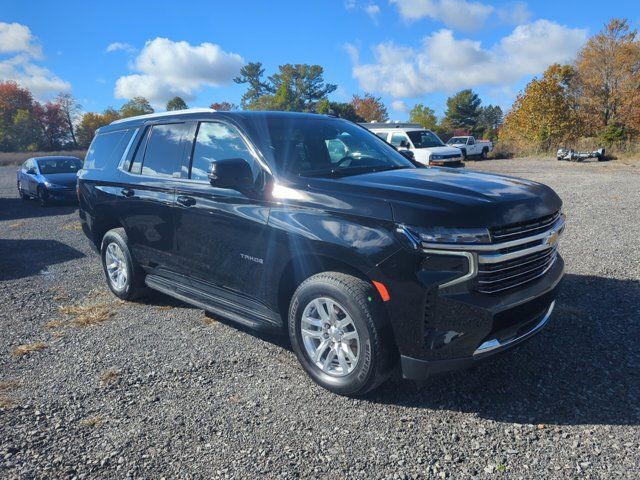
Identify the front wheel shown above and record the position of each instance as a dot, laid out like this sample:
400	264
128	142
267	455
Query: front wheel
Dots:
43	197
340	333
23	195
124	276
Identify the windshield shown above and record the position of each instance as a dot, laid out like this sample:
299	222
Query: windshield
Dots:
328	147
458	140
424	139
59	165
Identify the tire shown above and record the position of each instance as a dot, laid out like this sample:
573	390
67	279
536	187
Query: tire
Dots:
126	281
373	348
43	197
23	195
483	155
464	153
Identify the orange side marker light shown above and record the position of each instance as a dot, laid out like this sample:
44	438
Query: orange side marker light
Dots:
382	290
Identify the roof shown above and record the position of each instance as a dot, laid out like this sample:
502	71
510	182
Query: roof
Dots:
54	157
391	125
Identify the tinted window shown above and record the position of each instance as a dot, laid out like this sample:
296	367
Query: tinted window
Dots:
59	165
106	148
164	150
382	135
327	147
425	139
216	141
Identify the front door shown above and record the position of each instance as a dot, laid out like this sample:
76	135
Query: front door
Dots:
221	237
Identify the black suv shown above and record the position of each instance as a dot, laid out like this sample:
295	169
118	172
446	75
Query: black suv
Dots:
313	225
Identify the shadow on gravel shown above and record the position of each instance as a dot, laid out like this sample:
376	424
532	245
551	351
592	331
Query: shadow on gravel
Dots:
24	258
583	369
17	209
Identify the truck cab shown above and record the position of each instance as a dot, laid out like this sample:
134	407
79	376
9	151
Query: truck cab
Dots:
426	146
471	147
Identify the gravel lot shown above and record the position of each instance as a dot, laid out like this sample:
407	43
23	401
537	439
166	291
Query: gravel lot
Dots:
157	388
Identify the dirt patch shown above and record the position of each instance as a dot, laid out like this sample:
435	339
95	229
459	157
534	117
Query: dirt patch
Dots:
28	348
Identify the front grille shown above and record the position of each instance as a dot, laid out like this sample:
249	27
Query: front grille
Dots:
523	229
495	277
521	253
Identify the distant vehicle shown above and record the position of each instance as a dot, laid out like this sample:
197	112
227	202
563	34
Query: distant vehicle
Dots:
426	146
49	179
311	226
571	155
471	147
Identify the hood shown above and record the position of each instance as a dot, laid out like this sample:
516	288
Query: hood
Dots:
450	197
62	179
457	145
441	150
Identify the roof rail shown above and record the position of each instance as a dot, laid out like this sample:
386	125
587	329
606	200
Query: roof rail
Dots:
165	114
391	125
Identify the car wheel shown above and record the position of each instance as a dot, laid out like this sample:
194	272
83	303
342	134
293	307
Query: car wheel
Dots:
483	155
339	331
124	276
43	197
464	153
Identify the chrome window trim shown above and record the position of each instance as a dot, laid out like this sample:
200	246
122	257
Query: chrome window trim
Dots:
494	343
126	150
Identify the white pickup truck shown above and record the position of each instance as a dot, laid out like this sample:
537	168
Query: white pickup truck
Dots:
426	146
471	147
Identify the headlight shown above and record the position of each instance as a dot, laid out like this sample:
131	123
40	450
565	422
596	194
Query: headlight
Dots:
436	157
52	185
445	235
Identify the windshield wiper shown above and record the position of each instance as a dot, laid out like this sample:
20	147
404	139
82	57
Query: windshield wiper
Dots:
348	171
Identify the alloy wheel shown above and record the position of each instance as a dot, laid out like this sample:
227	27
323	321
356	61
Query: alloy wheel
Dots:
330	337
116	266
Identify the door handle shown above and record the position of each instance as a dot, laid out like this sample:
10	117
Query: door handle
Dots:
185	200
127	192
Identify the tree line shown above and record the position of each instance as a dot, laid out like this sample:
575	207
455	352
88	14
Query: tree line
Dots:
596	96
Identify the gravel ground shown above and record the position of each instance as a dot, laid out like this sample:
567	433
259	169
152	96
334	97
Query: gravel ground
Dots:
157	388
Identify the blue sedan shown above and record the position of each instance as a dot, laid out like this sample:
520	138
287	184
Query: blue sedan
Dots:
49	179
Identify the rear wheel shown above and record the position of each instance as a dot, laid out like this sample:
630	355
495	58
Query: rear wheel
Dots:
340	334
124	276
484	153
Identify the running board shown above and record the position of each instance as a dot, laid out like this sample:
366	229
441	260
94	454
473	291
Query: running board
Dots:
267	320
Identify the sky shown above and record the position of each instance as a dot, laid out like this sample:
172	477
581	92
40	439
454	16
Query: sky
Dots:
405	51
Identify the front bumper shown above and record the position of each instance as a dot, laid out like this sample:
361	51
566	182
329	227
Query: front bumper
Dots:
62	194
439	329
415	368
448	162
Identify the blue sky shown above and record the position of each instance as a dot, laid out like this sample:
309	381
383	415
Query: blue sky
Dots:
406	51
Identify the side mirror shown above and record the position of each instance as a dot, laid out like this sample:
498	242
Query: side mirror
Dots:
231	173
404	144
408	154
31	171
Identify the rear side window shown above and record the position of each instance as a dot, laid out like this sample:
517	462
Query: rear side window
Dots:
216	141
106	149
164	150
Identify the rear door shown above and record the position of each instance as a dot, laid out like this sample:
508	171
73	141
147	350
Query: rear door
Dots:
221	232
147	194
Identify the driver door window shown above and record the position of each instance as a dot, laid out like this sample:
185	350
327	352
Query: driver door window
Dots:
217	141
399	140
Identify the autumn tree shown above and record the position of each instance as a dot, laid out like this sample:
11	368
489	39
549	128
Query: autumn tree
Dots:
70	109
339	109
608	77
545	115
176	103
463	110
52	125
423	115
90	122
18	129
251	75
370	108
223	106
489	121
135	106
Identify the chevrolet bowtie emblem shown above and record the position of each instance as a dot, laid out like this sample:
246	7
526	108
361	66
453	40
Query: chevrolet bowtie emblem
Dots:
552	238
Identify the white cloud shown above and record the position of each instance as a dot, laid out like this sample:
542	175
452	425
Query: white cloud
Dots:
40	80
373	11
515	14
444	63
464	15
17	38
349	4
167	68
457	14
125	47
400	106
